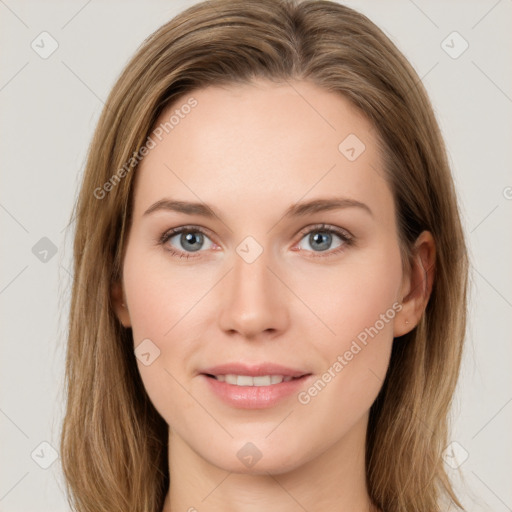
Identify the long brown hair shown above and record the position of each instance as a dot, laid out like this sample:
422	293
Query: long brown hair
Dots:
114	442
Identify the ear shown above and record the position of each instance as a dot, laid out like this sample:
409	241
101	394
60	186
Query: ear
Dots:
119	304
417	284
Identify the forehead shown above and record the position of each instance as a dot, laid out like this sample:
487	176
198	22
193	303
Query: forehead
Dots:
244	144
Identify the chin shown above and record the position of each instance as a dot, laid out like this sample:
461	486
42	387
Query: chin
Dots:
255	459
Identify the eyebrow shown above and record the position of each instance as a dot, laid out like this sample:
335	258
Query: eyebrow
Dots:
295	210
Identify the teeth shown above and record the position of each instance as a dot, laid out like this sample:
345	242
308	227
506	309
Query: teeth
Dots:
247	380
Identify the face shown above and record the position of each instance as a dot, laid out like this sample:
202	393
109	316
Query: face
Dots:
255	279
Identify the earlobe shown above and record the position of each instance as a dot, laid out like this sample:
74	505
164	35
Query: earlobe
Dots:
418	284
119	304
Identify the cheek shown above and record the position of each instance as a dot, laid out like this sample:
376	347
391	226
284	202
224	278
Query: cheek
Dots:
352	295
359	305
161	294
163	301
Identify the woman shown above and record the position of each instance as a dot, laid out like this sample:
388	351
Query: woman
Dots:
217	359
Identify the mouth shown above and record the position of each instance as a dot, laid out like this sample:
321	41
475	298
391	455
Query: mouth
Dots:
255	381
254	391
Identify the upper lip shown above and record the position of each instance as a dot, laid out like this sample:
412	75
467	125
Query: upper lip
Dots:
253	370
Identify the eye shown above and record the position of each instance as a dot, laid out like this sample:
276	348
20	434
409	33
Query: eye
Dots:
190	239
320	238
183	241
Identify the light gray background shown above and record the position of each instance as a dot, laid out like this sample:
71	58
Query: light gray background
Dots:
49	108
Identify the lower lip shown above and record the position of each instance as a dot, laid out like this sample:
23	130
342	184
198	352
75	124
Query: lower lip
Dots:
254	397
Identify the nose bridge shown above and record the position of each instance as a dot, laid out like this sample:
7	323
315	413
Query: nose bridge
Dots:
252	300
250	279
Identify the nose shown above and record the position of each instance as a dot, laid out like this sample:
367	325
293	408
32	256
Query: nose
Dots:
253	300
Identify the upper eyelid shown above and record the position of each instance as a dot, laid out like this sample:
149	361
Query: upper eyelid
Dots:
326	227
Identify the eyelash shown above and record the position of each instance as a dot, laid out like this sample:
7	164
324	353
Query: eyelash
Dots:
345	236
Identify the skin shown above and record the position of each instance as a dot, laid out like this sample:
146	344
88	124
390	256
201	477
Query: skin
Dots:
251	151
